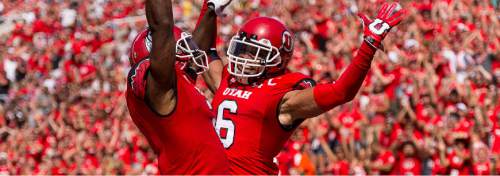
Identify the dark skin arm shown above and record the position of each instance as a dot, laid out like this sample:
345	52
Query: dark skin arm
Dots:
161	80
208	25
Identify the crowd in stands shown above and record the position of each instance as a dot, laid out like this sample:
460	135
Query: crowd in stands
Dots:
430	104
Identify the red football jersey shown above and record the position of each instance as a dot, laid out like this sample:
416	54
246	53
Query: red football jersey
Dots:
340	167
437	167
481	168
185	140
407	166
385	157
458	166
495	130
247	121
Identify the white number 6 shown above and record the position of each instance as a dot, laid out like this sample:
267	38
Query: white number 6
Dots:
222	122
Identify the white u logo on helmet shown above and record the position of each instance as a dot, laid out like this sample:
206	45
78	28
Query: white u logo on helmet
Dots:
287	41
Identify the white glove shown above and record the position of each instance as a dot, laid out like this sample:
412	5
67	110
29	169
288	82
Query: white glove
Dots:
218	6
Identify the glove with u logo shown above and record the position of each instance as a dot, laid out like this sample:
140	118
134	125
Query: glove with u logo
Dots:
390	15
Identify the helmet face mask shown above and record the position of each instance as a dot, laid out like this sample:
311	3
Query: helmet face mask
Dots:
249	57
187	49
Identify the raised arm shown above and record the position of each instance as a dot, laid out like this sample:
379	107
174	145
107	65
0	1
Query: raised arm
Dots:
161	24
311	102
205	36
161	80
206	27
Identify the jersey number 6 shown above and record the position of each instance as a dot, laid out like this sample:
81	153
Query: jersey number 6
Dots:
227	139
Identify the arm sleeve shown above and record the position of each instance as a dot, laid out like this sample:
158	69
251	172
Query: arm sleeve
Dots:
327	96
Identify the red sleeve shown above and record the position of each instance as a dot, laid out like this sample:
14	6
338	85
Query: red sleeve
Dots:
136	80
327	96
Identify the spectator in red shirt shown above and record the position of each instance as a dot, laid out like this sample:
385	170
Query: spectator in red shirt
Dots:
339	163
384	161
408	161
481	164
62	68
459	157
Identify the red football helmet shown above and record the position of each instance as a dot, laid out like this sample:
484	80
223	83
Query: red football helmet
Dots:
185	49
262	48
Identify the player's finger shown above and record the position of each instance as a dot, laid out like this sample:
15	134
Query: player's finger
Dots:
365	20
382	10
389	10
397	17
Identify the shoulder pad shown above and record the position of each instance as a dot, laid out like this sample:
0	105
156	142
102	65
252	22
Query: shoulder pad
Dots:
136	79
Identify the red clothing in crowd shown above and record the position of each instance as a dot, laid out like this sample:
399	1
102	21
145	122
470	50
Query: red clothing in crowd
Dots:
495	130
340	167
457	163
483	168
348	120
437	166
408	165
385	157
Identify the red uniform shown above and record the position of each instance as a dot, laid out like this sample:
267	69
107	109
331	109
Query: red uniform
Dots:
247	121
481	168
348	119
437	168
340	167
384	158
458	166
184	141
495	130
408	166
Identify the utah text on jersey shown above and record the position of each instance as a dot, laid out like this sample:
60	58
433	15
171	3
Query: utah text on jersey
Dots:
243	93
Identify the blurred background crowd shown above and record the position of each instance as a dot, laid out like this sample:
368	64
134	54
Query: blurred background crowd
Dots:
430	104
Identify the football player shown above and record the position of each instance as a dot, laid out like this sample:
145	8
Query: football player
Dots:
162	100
259	103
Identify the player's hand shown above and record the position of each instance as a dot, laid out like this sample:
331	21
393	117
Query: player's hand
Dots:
219	6
390	15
